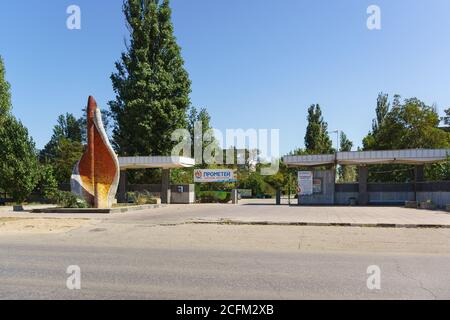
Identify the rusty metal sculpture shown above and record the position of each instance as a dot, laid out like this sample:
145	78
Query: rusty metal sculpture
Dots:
95	177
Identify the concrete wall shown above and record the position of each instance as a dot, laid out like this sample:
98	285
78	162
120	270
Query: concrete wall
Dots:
343	198
327	194
441	198
391	193
176	197
187	196
390	197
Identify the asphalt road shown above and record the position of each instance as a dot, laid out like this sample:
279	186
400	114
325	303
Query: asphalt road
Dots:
155	255
33	271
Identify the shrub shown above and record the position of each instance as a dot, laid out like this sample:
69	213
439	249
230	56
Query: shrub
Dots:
214	196
68	200
47	185
141	198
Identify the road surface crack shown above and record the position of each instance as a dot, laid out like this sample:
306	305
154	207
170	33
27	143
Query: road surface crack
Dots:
404	275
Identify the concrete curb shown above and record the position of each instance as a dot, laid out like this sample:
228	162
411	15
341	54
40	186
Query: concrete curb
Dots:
320	224
98	211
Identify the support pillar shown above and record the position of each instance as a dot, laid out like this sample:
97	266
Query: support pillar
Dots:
419	176
419	173
278	200
363	198
123	187
165	187
234	196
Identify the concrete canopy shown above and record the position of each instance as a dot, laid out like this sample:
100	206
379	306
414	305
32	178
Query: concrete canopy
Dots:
411	156
155	162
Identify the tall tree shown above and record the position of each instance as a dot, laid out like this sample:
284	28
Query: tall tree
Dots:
381	111
151	85
408	125
345	144
446	118
5	95
19	173
316	138
197	118
67	127
346	173
65	147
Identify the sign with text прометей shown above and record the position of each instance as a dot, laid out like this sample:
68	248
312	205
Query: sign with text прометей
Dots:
214	175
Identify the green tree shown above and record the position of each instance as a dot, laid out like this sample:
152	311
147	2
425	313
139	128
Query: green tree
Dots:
19	170
5	95
67	154
316	138
410	124
199	117
438	171
65	147
446	118
381	111
346	173
47	185
345	144
151	85
67	127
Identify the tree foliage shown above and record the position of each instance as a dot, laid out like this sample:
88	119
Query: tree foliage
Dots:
67	127
199	117
446	118
346	173
5	95
65	147
317	140
151	85
19	170
408	125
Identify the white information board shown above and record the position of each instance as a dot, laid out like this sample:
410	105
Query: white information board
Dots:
305	183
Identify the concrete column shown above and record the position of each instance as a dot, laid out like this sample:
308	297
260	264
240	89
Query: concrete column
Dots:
419	173
419	176
363	198
165	187
278	201
234	196
123	187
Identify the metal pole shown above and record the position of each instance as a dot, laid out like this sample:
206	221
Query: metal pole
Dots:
289	189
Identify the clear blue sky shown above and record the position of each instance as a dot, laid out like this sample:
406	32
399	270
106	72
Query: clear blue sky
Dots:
253	63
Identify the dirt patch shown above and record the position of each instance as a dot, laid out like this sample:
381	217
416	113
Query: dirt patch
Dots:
39	225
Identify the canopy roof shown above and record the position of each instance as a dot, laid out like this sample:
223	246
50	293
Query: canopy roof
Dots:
412	156
155	162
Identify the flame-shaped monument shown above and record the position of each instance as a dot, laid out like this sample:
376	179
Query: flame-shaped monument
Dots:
96	176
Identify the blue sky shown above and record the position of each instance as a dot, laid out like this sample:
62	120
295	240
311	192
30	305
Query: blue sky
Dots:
253	63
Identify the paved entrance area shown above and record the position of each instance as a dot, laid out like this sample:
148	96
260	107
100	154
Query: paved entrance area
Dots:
259	212
265	212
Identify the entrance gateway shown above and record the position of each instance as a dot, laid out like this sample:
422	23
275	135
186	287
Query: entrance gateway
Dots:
169	193
325	191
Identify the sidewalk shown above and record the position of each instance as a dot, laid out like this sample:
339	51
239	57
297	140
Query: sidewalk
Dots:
9	209
257	213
